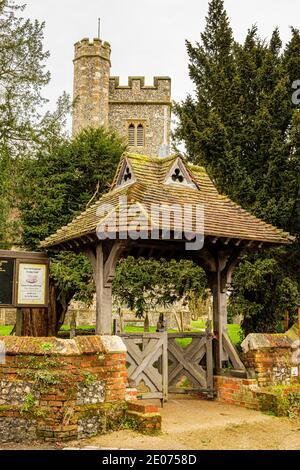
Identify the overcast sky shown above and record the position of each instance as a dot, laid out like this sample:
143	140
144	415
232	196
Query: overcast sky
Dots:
147	36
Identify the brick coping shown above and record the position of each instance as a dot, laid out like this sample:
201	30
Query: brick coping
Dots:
15	345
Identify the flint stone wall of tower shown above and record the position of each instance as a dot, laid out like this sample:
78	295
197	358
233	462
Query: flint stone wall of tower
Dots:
91	84
150	105
101	100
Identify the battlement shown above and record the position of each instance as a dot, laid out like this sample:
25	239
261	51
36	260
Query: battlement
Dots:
136	90
91	48
102	101
139	82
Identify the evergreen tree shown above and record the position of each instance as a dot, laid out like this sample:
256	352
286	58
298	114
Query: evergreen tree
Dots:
247	137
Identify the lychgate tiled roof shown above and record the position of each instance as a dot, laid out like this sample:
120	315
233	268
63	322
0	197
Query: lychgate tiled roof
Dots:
222	217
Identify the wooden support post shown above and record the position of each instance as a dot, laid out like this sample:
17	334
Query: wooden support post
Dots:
219	318
219	275
103	296
104	261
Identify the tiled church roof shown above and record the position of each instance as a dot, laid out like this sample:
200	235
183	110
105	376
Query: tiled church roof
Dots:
222	217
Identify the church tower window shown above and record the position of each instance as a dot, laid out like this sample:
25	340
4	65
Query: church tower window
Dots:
131	135
136	134
140	138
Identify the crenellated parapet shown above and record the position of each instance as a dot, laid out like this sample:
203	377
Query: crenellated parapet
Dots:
136	90
92	48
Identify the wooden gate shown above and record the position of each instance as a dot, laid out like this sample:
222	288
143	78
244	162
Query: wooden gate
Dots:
147	360
157	362
193	362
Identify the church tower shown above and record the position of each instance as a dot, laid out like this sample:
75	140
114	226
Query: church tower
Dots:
91	84
140	113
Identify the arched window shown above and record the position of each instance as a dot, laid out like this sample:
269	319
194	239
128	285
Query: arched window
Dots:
136	134
131	135
140	136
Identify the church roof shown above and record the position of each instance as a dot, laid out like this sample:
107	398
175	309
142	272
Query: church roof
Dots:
168	181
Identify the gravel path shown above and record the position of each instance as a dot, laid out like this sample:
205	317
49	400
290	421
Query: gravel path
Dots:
190	424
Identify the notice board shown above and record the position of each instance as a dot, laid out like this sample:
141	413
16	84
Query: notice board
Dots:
7	271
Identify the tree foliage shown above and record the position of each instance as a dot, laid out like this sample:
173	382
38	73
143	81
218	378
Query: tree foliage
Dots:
58	184
23	126
147	284
242	126
22	74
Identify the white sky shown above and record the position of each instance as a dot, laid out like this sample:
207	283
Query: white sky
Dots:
147	36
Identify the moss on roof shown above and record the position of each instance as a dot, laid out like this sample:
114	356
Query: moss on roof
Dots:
222	217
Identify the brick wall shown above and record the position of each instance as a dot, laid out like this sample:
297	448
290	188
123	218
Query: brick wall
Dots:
283	400
272	358
61	389
271	366
235	391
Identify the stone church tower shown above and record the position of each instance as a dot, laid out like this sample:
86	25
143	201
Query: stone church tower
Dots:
140	113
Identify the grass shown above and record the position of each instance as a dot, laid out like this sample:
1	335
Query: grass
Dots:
234	331
5	330
235	334
84	327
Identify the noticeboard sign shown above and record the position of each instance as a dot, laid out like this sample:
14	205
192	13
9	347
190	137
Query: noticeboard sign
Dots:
7	272
31	284
24	279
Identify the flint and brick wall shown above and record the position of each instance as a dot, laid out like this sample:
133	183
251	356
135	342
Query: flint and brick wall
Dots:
61	389
281	400
272	361
273	358
271	367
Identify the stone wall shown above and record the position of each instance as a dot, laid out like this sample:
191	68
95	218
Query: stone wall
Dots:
86	316
91	84
150	105
61	389
7	316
